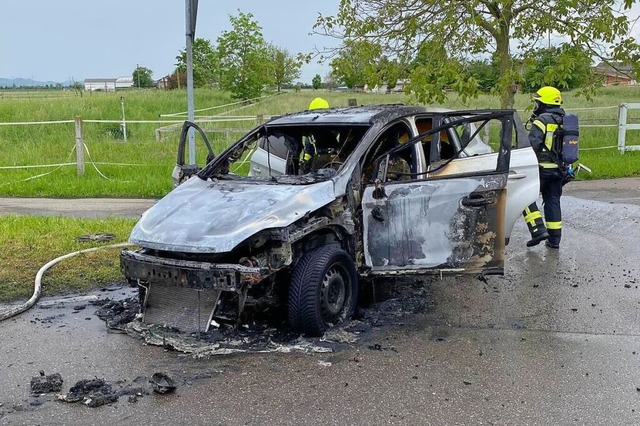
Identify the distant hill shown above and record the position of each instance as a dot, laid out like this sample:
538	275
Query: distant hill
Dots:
26	82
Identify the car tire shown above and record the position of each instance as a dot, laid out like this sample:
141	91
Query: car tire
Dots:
323	290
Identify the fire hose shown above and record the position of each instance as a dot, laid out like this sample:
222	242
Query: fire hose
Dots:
37	290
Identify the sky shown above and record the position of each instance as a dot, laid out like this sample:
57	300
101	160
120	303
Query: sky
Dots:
70	40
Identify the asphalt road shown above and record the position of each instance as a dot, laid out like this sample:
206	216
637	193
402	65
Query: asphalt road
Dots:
626	190
555	341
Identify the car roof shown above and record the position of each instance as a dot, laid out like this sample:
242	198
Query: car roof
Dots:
364	114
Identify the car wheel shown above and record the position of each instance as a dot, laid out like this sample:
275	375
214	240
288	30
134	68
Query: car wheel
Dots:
323	290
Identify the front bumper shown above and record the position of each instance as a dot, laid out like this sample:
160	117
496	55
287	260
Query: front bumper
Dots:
191	274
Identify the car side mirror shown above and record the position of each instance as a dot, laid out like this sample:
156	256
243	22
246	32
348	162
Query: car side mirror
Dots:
183	172
378	191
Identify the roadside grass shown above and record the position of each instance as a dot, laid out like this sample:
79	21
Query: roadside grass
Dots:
31	242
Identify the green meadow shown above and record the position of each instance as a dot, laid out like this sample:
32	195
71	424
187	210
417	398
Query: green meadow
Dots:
141	166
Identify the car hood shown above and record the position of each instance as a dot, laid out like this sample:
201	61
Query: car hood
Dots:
215	216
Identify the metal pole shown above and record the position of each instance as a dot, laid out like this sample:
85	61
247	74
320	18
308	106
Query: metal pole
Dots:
79	147
124	121
190	14
622	127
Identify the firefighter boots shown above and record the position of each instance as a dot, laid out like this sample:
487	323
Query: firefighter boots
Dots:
537	229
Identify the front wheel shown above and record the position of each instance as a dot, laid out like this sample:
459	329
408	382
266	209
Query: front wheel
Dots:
323	291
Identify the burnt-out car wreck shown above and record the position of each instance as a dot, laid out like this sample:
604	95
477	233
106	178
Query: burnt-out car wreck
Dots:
307	205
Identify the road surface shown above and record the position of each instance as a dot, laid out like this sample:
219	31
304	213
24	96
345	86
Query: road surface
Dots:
555	341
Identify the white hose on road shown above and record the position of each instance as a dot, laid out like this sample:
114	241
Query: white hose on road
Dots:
38	282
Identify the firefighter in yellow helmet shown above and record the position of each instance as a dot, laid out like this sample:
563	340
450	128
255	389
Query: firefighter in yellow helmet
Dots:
309	142
545	120
318	103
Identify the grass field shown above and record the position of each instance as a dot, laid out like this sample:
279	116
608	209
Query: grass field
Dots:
141	166
30	242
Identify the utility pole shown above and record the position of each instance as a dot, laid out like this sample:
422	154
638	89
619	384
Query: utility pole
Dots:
191	12
138	74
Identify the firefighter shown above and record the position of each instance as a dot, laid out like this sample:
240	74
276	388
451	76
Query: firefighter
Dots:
310	150
318	103
547	116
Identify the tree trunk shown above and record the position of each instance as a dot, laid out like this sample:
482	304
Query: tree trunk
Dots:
504	60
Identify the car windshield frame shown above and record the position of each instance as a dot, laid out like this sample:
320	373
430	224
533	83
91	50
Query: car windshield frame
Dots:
340	141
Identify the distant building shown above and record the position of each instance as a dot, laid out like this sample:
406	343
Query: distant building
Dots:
619	75
398	88
108	84
379	88
164	82
124	83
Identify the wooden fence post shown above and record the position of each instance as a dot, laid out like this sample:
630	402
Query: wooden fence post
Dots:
79	147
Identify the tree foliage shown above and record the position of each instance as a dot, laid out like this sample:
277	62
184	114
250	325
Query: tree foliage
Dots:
205	63
142	77
485	71
357	63
434	39
284	67
177	80
244	58
564	67
316	82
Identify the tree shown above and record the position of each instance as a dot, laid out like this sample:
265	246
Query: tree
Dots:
205	63
284	67
142	77
448	33
316	82
330	81
357	63
177	80
563	67
244	60
484	71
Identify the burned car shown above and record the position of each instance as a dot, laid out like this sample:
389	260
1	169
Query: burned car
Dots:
305	206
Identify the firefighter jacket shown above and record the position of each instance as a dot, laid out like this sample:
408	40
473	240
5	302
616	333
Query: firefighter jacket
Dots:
541	136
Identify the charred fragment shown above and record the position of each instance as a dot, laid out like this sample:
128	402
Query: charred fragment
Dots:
46	383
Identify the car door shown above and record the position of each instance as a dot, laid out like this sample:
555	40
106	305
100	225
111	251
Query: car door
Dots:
475	154
270	156
438	224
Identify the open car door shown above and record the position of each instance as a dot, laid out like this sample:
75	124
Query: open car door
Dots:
439	224
182	171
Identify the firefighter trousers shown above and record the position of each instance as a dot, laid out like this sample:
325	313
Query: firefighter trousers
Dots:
551	190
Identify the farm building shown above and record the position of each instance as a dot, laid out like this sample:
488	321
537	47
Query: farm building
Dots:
108	84
164	82
124	83
618	75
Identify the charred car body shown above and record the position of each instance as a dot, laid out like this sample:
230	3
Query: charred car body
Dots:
307	204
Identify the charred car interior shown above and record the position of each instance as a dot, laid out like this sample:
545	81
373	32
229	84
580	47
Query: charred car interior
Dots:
305	206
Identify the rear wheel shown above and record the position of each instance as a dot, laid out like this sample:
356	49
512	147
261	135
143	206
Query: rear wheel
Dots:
323	291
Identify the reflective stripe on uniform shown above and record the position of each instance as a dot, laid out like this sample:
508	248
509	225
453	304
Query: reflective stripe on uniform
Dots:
539	124
531	217
554	225
548	140
548	165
